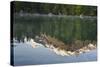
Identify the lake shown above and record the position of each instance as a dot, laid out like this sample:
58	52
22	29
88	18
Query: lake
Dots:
66	29
24	54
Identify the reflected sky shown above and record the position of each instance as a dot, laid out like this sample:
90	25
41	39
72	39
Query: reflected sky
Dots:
25	54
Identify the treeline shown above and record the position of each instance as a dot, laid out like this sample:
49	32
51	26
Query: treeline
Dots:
56	9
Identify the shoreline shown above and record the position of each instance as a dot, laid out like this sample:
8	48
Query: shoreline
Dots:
51	15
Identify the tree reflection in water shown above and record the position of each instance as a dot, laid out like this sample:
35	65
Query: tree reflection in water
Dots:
68	35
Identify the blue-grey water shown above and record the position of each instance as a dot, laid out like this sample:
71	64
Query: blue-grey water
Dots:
66	29
24	54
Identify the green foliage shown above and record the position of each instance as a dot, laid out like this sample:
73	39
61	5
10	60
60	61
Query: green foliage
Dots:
46	8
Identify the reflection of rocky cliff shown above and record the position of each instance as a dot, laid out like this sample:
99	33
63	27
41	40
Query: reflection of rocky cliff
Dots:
75	48
74	45
63	49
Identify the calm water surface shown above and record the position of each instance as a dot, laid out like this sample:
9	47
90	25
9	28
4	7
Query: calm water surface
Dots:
24	54
65	29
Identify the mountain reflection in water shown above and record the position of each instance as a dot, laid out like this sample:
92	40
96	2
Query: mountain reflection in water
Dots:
57	50
45	40
26	54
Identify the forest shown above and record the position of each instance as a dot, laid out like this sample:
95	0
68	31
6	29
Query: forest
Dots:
51	8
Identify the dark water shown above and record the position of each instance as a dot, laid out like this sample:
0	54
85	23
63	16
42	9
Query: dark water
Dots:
64	28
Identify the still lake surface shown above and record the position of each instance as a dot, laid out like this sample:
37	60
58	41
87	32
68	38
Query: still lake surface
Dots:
65	28
24	54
